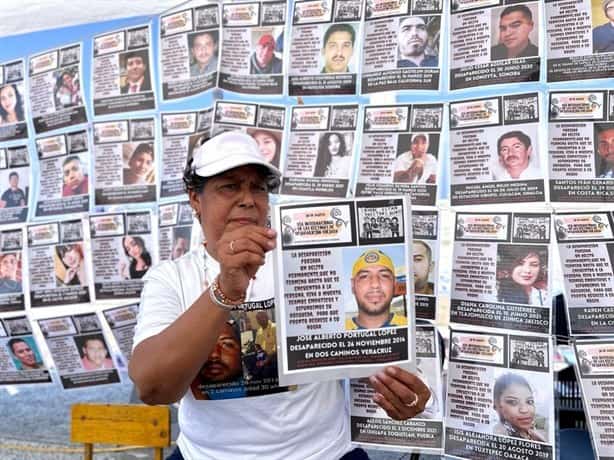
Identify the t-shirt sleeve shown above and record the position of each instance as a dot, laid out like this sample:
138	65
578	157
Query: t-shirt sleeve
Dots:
160	302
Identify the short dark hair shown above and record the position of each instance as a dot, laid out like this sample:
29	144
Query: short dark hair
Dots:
212	34
523	9
71	158
132	54
14	173
339	28
429	251
14	341
143	147
522	137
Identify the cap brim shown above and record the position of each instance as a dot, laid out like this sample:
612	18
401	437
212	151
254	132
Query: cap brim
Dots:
234	161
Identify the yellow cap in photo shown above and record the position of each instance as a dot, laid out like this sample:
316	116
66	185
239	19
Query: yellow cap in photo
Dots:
372	257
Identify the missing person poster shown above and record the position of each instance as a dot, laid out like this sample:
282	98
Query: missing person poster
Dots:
494	42
495	150
125	161
501	271
253	47
595	370
122	71
181	133
122	321
21	360
586	247
500	398
401	45
123	249
248	345
175	223
189	51
12	270
325	51
56	93
264	123
13	108
64	162
59	266
581	146
79	350
400	151
371	426
580	39
320	152
14	184
345	296
426	262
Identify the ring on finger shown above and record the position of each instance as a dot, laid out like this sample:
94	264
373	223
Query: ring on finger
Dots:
414	402
232	246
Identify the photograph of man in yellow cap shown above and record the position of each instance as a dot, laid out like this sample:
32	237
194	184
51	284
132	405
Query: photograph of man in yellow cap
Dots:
373	286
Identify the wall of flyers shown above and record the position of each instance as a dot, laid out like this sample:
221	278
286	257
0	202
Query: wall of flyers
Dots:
92	196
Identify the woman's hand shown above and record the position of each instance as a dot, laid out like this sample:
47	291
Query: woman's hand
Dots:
241	252
69	275
401	394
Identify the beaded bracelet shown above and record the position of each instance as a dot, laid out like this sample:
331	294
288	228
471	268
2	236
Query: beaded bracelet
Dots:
221	300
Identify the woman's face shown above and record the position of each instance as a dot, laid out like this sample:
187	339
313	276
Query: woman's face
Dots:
141	164
8	98
334	144
132	247
72	258
235	198
8	267
516	405
526	272
267	145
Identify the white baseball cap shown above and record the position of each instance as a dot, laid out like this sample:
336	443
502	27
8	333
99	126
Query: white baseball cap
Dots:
227	151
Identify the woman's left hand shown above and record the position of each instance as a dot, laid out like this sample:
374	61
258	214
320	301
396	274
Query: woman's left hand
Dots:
401	394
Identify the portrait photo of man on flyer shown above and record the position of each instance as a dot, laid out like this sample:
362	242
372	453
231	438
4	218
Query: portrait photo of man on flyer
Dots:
514	30
514	157
603	34
373	286
413	41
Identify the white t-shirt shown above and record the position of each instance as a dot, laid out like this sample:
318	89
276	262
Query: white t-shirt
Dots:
500	173
308	423
404	161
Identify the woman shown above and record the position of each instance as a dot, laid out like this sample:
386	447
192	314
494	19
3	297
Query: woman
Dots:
140	260
269	145
514	401
186	304
66	93
11	105
71	256
524	280
333	157
8	274
141	165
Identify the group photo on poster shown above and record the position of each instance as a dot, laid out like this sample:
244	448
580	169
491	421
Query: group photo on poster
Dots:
353	316
59	272
189	51
56	89
495	150
64	184
325	46
251	59
501	273
320	152
409	58
13	98
79	350
122	71
400	152
494	44
581	146
496	402
125	161
123	250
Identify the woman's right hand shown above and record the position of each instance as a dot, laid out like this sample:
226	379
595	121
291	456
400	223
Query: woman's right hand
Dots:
240	252
70	274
